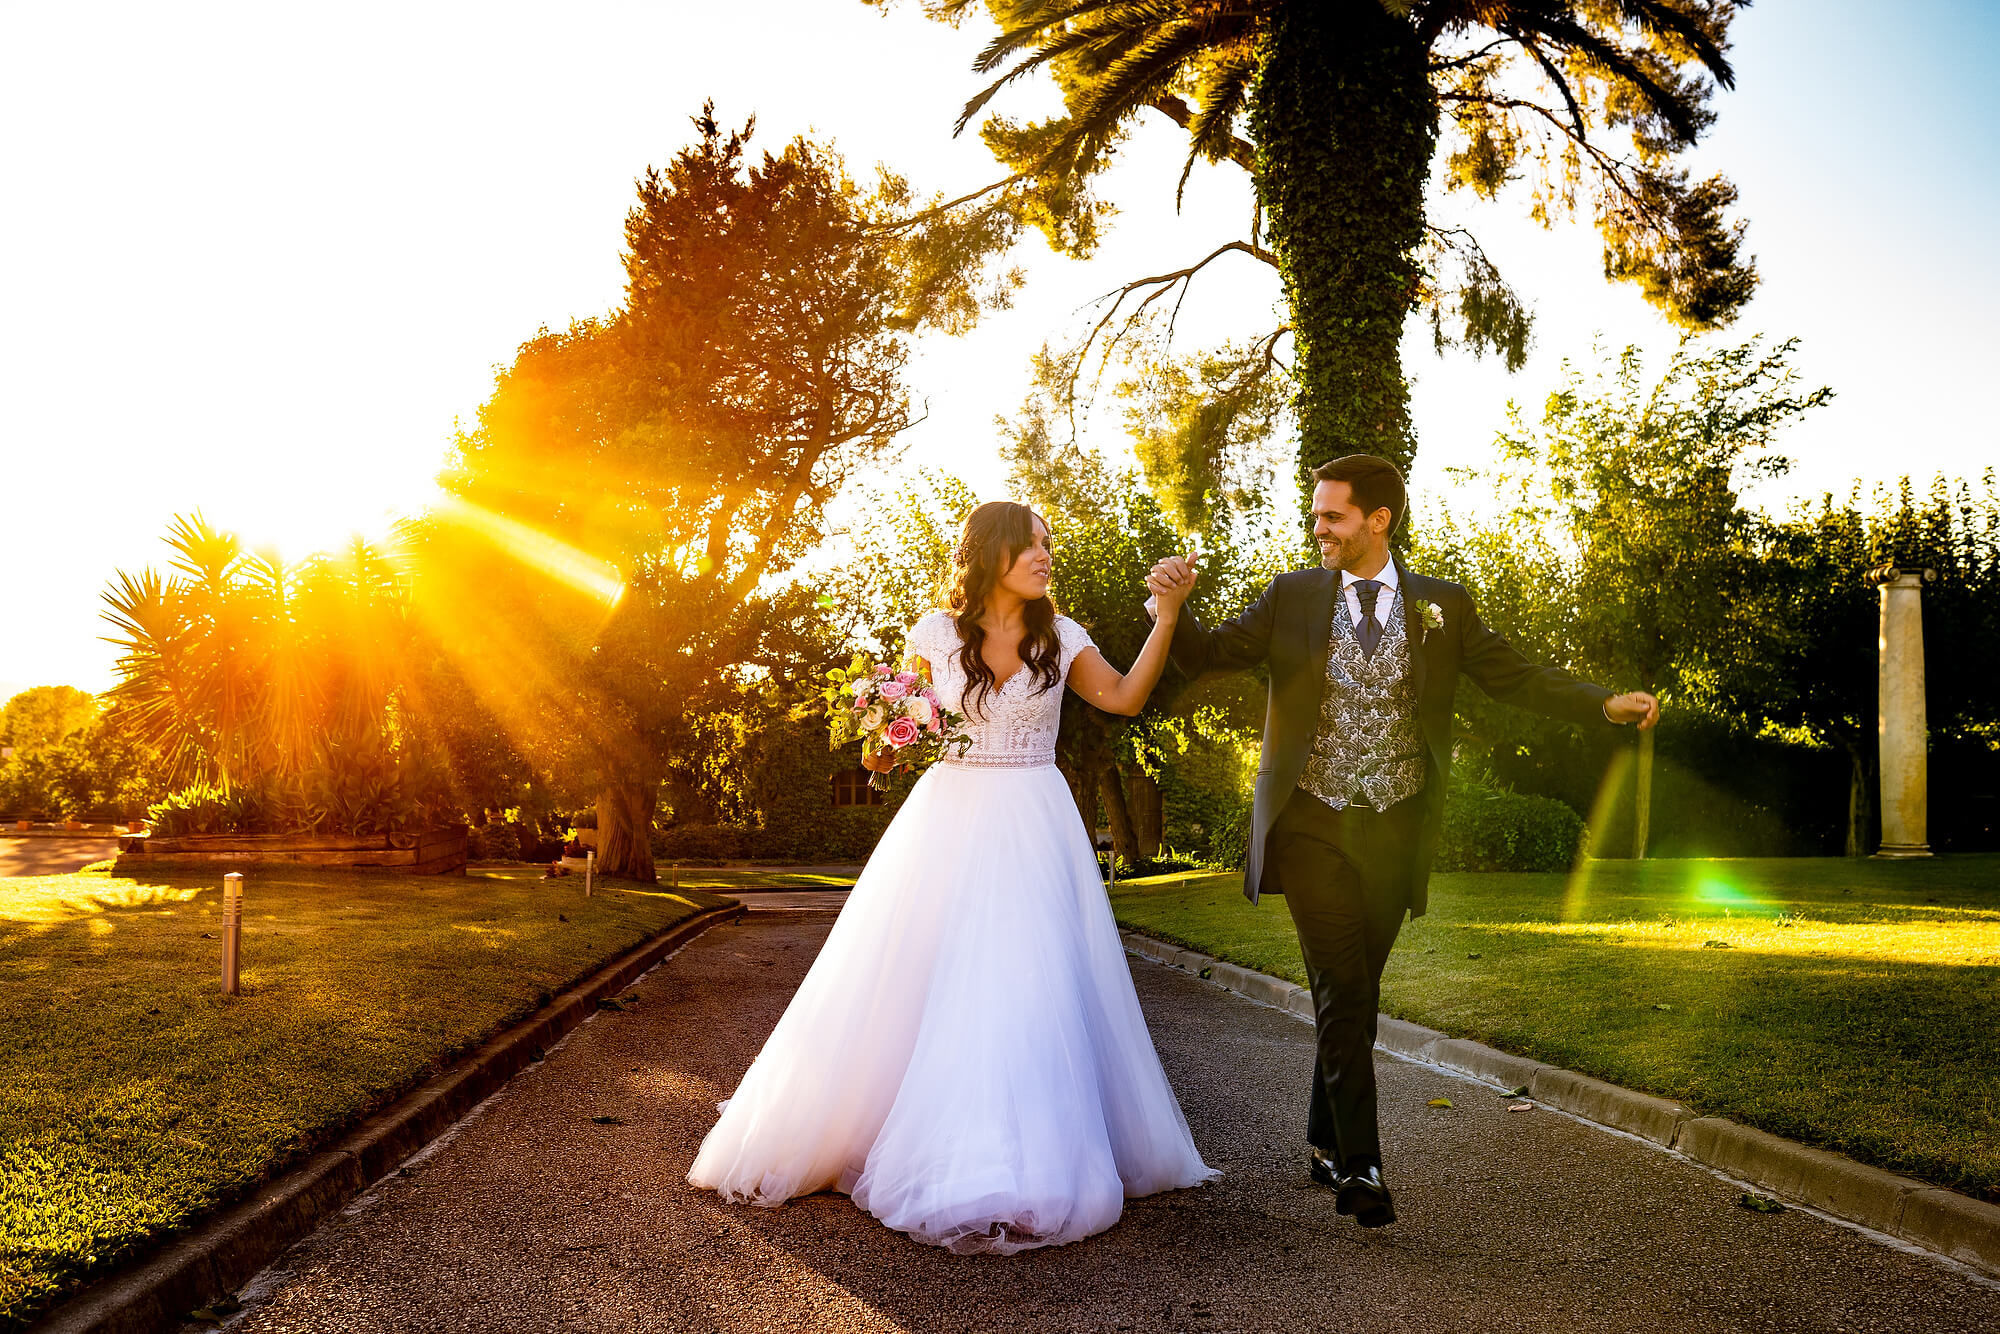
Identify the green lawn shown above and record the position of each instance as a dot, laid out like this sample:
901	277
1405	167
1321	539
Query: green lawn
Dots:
1852	1005
134	1097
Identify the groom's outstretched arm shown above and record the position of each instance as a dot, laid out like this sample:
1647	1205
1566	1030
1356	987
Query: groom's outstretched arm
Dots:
1235	645
1499	669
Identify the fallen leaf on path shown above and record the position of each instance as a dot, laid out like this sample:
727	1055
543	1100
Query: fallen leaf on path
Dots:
1438	1102
1521	1107
1762	1204
606	1003
1518	1091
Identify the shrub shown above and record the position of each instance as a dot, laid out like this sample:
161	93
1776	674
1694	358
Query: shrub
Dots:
1492	829
1169	861
1229	845
196	809
709	841
508	842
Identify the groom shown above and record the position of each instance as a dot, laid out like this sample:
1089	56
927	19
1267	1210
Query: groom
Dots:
1364	658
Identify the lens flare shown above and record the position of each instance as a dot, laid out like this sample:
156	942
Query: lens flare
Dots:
1610	794
557	559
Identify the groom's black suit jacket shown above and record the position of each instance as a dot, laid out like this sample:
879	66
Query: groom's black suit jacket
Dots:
1291	627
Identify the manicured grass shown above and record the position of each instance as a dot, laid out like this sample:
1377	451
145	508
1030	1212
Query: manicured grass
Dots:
134	1097
1851	1005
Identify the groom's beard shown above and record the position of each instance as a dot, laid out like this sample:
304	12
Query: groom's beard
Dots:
1340	555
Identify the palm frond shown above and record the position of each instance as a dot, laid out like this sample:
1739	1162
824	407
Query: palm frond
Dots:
1115	41
1132	83
1026	32
1667	103
1212	131
1655	16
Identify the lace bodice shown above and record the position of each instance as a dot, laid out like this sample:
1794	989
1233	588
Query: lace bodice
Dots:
1015	726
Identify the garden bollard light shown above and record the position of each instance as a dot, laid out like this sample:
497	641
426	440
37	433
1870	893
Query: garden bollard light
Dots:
232	932
589	870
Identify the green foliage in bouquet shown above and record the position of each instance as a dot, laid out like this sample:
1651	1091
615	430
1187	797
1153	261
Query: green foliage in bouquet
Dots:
858	683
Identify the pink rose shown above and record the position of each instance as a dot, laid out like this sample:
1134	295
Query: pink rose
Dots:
894	690
937	725
901	732
907	678
883	670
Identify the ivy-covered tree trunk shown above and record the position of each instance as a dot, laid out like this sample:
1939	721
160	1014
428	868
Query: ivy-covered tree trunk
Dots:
1345	121
624	828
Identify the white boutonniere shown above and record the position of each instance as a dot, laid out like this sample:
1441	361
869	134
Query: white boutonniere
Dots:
1430	614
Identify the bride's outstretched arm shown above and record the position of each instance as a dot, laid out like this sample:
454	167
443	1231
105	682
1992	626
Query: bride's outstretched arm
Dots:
1104	686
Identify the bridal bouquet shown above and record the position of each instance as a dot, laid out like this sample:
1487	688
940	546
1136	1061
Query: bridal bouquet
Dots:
890	711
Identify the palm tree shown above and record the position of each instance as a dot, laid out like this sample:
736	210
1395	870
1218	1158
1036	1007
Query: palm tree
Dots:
239	668
1337	109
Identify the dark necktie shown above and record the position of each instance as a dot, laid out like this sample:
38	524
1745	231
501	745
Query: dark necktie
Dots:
1368	631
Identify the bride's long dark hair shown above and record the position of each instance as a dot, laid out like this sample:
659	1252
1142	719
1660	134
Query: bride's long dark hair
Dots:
994	535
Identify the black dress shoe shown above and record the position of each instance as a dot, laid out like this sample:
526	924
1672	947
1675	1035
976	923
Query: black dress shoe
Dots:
1322	1170
1364	1194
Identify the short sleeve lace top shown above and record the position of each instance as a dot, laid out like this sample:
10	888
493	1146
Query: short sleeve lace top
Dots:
1015	727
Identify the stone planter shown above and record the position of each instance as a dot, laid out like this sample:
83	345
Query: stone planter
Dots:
433	852
24	825
72	825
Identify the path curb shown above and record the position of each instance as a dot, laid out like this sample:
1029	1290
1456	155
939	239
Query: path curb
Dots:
223	1253
1943	1221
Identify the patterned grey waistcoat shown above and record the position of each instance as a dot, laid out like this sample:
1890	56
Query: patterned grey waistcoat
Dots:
1368	750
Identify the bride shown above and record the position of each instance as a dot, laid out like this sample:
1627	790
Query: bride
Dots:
966	1057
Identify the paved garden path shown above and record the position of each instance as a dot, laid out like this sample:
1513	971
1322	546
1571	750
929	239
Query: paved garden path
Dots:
52	856
531	1216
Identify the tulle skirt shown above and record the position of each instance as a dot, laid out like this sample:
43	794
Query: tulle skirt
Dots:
966	1057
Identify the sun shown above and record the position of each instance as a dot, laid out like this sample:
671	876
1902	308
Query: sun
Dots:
301	522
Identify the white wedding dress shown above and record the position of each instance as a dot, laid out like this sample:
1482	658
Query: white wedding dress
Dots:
966	1057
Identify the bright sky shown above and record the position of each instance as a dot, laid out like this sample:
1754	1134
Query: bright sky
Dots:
258	258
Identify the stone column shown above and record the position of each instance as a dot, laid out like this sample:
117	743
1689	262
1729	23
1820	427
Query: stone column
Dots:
1901	726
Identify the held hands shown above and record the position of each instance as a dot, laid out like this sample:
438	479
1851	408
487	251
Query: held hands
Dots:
1634	706
1170	583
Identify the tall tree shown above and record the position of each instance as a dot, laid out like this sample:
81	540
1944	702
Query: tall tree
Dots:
662	467
1339	110
1625	549
44	716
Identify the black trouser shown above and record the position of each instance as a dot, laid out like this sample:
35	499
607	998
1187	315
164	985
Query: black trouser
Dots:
1345	877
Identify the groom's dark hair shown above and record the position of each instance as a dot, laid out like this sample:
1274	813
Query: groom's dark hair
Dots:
1377	484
